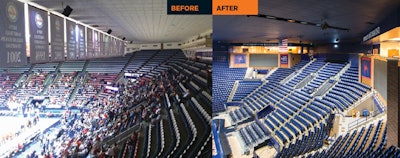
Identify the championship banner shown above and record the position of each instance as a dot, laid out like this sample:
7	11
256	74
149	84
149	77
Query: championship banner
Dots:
89	43
102	45
81	47
115	47
12	34
96	45
57	38
107	50
39	39
71	40
121	48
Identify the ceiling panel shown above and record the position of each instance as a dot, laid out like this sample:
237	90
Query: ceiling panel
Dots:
137	20
354	15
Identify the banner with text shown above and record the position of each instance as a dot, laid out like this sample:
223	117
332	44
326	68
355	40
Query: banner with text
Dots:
57	38
12	34
81	45
96	42
39	38
71	40
89	43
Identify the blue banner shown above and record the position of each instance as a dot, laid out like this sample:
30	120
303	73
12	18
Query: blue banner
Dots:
240	58
284	59
366	67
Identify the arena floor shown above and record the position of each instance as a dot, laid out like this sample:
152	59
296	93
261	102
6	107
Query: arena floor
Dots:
12	124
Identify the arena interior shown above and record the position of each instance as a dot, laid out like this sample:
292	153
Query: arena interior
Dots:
307	79
142	90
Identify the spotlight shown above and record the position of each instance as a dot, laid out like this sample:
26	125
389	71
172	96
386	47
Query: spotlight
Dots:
335	46
109	31
67	11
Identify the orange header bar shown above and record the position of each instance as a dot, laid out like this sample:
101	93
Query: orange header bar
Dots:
235	7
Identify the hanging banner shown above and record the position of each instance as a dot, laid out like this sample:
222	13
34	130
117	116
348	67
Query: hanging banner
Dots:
81	48
57	38
121	48
89	43
12	34
39	36
102	45
96	43
71	40
366	67
284	59
107	50
115	47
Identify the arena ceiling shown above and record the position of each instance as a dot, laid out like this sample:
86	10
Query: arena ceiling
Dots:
137	20
358	16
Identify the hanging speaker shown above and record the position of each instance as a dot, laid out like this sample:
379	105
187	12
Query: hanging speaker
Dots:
67	11
109	31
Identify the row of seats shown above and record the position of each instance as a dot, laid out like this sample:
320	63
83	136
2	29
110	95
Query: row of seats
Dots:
201	109
206	97
176	130
191	125
363	143
290	107
311	68
245	88
266	95
329	70
345	93
309	142
223	83
162	137
253	134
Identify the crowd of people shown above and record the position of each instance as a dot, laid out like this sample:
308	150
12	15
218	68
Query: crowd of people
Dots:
84	133
105	114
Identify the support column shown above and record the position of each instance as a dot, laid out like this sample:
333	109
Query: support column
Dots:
393	102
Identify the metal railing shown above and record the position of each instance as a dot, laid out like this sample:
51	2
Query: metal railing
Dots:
233	91
363	120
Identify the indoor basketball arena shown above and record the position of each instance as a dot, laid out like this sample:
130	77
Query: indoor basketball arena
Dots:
104	79
307	79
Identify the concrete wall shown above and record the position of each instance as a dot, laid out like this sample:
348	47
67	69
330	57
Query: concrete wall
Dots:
380	77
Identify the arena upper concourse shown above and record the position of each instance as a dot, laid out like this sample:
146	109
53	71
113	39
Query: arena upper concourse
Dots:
307	79
104	79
